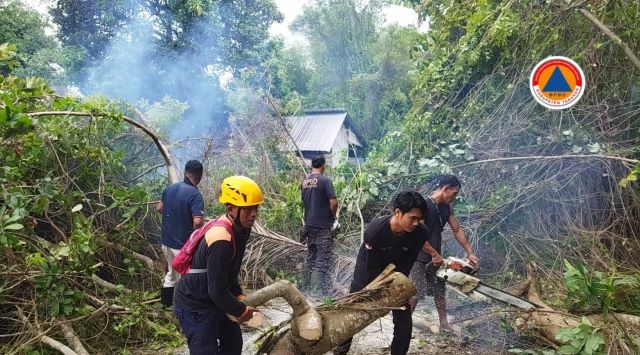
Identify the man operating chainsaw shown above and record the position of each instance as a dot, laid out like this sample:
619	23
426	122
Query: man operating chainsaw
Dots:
423	273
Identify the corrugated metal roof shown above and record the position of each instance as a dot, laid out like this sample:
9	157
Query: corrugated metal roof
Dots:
316	131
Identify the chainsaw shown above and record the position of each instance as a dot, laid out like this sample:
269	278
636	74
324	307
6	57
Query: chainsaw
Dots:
459	273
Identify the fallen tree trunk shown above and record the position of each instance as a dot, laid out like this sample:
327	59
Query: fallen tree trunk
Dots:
548	322
306	334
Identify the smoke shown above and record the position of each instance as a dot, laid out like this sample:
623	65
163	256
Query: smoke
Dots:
145	61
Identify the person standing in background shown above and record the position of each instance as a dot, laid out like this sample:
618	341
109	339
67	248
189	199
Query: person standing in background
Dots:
182	208
320	226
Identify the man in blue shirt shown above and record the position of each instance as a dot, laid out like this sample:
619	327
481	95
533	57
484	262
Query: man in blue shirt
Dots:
182	208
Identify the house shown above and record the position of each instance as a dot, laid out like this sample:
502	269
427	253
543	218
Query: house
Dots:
330	132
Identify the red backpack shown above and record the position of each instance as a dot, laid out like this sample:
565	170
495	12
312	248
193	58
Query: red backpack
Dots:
182	261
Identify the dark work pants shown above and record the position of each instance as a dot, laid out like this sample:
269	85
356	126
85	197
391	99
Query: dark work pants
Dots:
402	324
319	256
209	332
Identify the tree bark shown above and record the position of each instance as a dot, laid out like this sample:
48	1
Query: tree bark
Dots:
72	337
548	322
339	322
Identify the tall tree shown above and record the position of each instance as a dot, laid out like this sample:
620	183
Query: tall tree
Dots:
339	32
148	49
90	24
356	63
38	53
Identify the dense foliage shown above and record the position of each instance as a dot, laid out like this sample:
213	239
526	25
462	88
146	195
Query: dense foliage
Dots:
73	232
77	190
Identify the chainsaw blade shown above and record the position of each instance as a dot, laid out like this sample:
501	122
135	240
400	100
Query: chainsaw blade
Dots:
504	297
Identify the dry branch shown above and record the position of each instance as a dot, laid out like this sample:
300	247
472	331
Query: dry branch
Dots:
607	31
276	109
108	285
44	338
142	258
72	337
548	322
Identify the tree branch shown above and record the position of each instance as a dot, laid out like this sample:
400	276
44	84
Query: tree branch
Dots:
552	157
44	338
276	109
607	31
108	285
72	337
142	258
171	168
145	172
307	322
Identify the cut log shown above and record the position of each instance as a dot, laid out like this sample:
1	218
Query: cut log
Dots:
338	322
548	322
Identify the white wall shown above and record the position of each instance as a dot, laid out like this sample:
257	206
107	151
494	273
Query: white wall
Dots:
339	150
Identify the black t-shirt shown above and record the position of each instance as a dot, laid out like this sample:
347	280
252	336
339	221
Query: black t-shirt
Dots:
437	218
381	247
181	202
317	190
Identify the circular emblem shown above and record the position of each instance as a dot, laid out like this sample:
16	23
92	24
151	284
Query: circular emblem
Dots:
557	83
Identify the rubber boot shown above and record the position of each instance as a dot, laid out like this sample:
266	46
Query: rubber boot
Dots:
166	296
315	289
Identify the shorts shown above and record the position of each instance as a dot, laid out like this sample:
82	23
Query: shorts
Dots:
423	275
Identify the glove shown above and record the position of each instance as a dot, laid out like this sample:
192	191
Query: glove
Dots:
336	226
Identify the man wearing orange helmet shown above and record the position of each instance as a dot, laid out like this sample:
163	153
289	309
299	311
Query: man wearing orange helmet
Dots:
211	290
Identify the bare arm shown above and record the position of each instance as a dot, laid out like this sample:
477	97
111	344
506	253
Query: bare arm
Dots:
461	238
159	207
436	258
333	205
197	222
427	248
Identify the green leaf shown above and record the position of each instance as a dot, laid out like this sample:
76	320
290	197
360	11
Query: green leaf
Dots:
586	321
14	227
63	251
593	343
76	208
567	349
594	148
55	308
67	309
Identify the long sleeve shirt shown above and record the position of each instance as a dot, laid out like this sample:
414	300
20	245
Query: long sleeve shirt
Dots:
218	287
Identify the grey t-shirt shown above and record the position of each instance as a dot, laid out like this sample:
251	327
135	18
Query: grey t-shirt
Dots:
317	190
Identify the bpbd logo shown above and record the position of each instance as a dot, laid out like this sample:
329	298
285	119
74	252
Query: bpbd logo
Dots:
557	83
